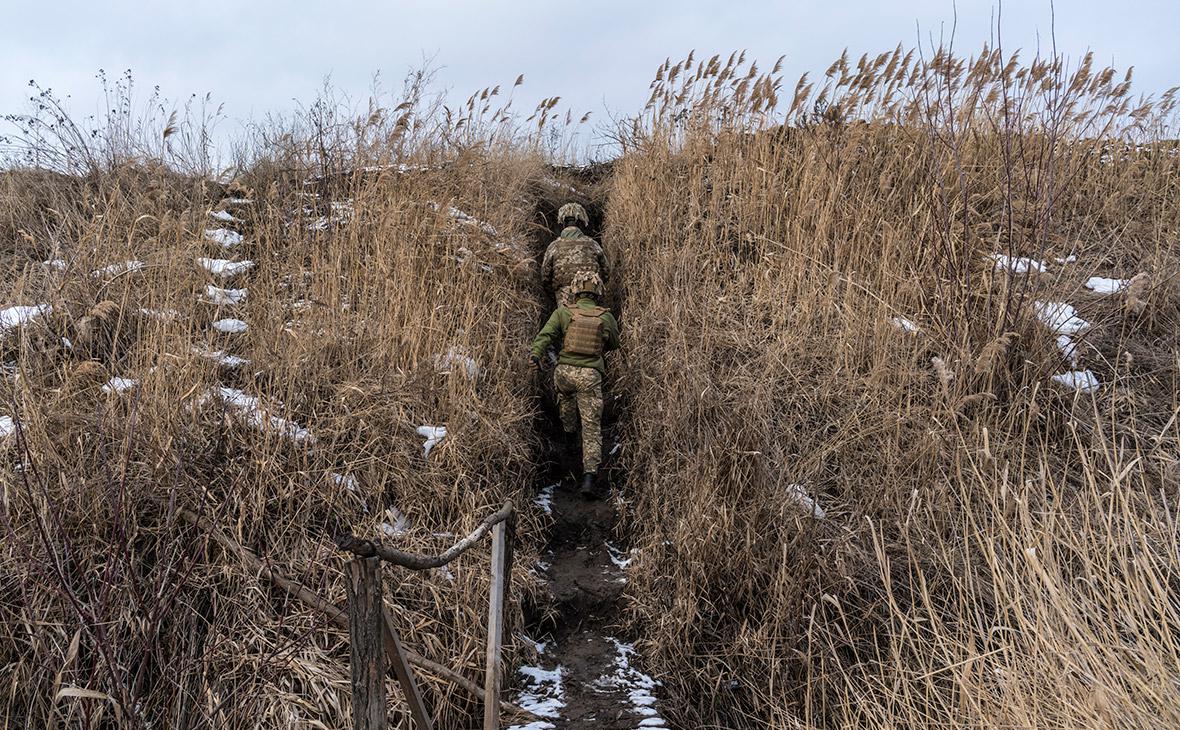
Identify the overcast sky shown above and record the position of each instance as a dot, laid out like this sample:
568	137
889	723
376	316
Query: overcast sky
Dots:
260	56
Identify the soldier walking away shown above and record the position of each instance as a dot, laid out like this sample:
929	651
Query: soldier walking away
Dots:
585	333
572	252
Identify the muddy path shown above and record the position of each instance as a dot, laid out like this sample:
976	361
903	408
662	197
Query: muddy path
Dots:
587	674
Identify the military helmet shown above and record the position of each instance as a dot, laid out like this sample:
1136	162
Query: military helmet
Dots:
587	282
575	211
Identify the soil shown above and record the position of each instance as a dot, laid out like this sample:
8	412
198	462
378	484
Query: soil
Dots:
584	564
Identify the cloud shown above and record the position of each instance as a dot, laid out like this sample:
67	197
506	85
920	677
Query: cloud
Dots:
261	56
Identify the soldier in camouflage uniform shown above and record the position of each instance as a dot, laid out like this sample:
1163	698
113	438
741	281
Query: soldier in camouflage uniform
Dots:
585	332
570	253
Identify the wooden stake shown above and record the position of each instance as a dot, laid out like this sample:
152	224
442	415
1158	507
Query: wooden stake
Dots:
491	692
405	676
366	624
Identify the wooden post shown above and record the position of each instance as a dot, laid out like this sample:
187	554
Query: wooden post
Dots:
366	623
491	692
405	676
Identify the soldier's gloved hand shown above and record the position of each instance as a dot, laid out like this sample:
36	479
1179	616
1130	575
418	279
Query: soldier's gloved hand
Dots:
534	364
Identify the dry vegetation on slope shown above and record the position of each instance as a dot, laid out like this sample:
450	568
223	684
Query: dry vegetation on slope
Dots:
814	312
378	302
810	312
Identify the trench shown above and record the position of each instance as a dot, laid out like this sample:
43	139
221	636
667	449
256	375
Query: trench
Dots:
587	673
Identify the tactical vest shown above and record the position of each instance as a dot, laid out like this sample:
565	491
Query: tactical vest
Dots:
572	256
584	336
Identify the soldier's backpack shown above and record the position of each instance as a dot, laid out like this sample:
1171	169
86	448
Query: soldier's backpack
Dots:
584	335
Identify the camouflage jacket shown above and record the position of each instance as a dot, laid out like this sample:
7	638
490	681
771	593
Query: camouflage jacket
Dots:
571	252
554	332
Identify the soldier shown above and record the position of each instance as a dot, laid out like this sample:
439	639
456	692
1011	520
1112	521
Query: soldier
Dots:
570	253
585	332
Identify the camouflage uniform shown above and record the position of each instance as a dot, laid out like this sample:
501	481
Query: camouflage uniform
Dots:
579	393
578	377
570	253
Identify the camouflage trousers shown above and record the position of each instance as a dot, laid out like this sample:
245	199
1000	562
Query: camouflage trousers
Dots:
579	393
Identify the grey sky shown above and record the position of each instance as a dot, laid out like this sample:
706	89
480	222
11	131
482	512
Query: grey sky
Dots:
257	56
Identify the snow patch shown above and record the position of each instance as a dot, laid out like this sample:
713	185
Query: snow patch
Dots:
21	315
222	358
395	524
7	426
433	435
635	683
121	267
544	696
1017	264
456	360
466	219
224	297
798	494
1103	285
1081	380
1060	318
224	216
251	412
165	315
56	264
230	326
224	268
223	237
544	499
620	558
119	385
905	325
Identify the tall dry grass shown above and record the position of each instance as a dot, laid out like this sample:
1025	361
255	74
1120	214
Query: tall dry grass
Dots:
367	301
997	550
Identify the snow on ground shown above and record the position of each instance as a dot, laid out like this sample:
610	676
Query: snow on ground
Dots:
224	297
395	525
222	358
544	696
238	201
456	360
21	315
251	412
905	325
165	315
230	326
224	268
1067	260
224	216
348	482
1063	320
119	385
544	499
7	426
617	556
120	267
1082	380
466	219
1068	348
224	237
1060	318
635	683
1103	285
56	264
1017	264
432	434
798	494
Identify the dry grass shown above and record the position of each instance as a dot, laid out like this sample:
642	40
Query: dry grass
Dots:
113	607
998	551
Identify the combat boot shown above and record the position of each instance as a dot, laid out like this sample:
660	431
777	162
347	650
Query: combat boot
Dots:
589	486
